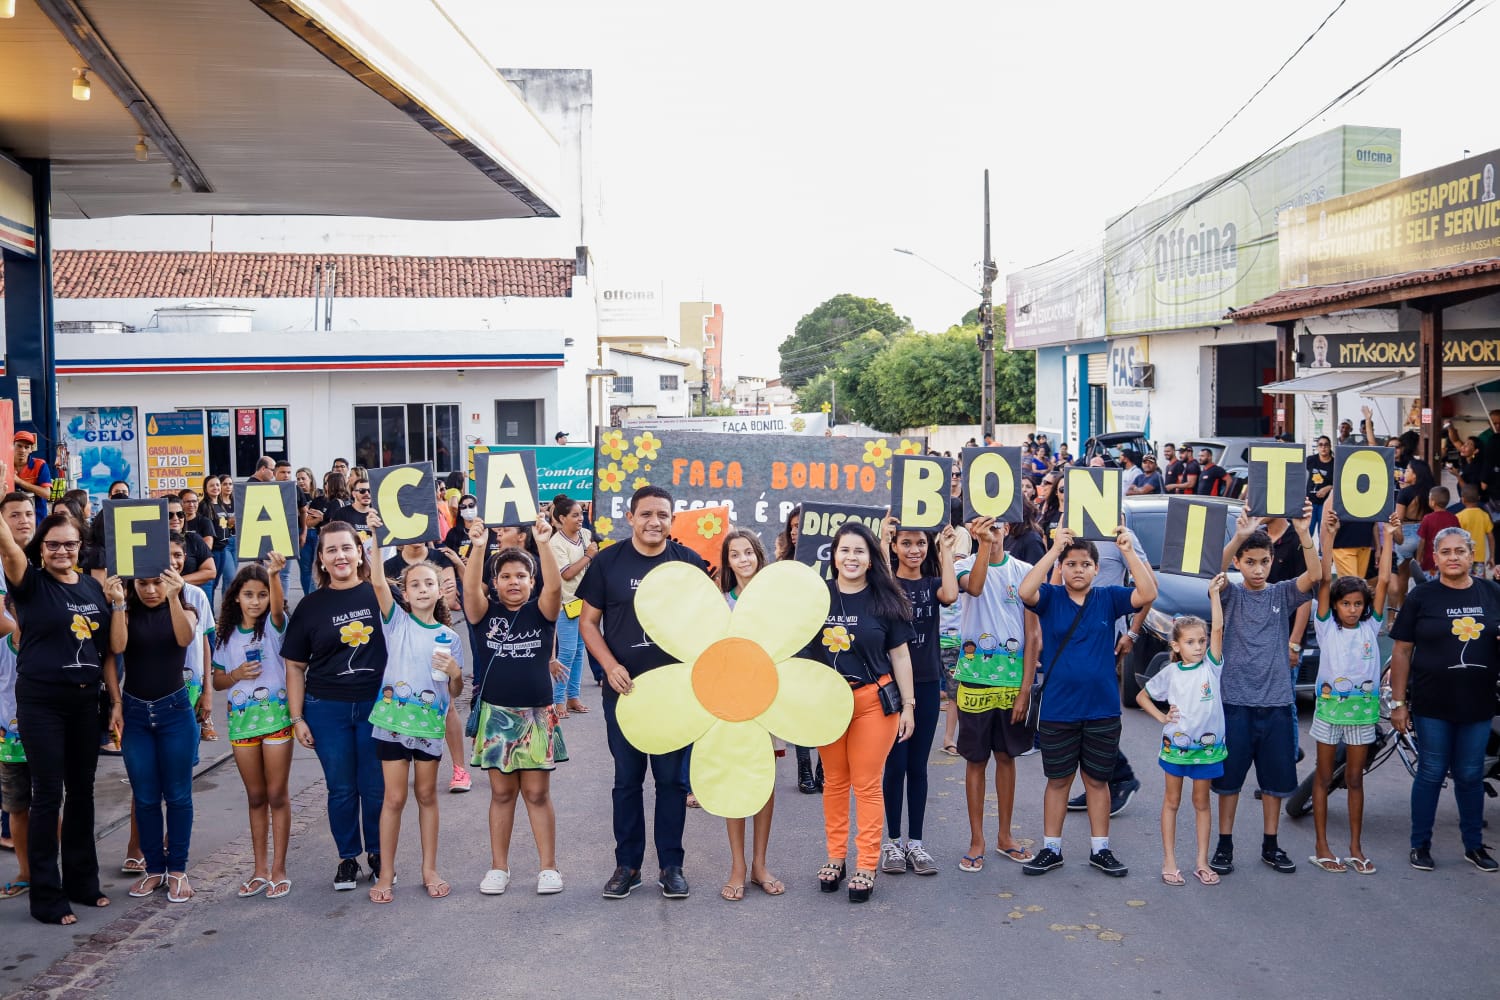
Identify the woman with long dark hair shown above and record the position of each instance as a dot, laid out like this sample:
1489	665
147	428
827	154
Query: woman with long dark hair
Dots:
865	639
63	658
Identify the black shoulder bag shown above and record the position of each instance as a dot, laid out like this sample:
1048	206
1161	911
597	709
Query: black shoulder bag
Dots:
1034	706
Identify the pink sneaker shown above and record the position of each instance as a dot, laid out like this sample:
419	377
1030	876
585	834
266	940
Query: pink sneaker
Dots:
461	781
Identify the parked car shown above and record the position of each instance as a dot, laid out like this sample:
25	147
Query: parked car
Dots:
1182	595
1233	455
1110	445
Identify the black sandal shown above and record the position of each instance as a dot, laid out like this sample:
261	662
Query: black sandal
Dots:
830	876
861	885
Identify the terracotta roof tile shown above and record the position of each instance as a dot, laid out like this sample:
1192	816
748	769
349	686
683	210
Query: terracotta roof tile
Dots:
1331	295
117	274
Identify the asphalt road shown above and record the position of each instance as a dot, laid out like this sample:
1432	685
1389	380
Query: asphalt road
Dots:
1070	933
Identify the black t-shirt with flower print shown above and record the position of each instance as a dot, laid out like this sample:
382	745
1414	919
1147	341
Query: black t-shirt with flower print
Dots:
1454	658
64	628
610	586
854	640
337	634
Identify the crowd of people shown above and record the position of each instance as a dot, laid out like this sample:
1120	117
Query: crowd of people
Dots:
1005	634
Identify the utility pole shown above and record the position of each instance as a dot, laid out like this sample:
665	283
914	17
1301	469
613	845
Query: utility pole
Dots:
986	338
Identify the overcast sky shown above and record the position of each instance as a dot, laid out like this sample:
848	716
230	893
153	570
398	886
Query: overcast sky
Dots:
770	156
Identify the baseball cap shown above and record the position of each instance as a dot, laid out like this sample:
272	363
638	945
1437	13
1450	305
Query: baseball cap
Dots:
26	436
1149	458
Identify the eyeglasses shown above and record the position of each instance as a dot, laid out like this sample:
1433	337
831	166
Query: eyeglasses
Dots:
364	492
174	513
61	546
468	506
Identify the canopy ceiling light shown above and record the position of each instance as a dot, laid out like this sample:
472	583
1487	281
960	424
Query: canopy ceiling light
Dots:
142	152
176	185
81	89
7	8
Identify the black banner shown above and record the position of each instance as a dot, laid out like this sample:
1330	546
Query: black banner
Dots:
135	538
405	498
1193	544
266	515
920	487
1461	349
992	484
1276	483
1091	502
505	485
1364	487
821	521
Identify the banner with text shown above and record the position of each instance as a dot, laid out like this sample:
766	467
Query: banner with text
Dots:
1193	540
1364	484
920	490
1461	349
567	468
1439	217
760	478
175	455
1091	509
819	522
992	484
505	485
405	498
1276	480
136	538
266	519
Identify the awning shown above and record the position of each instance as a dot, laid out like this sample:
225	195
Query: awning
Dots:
1326	382
1455	382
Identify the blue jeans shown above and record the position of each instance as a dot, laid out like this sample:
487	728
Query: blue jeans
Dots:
305	558
906	767
570	653
228	564
286	577
345	747
1443	747
629	797
158	746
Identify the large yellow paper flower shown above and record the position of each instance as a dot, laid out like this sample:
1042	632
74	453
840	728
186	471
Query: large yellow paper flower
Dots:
83	627
613	443
908	448
647	444
603	527
355	634
876	452
610	478
739	680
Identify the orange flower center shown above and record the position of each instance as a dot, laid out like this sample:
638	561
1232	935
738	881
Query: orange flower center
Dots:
735	680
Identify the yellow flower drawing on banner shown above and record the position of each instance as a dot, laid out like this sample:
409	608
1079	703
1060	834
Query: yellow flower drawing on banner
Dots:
876	453
798	425
355	634
83	627
738	681
647	444
604	526
613	443
639	481
710	525
837	639
630	463
908	448
610	478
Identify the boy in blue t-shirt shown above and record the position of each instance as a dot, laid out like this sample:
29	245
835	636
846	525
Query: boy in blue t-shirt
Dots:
1079	726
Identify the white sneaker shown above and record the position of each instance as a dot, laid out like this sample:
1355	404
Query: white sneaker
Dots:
495	882
548	881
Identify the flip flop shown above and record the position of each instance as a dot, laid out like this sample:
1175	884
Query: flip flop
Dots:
379	895
1363	866
1332	865
438	889
732	893
972	863
950	749
1017	854
1207	876
14	889
771	886
1173	878
692	801
254	887
133	866
276	891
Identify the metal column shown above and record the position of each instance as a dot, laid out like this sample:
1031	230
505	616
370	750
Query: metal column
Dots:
1430	354
29	346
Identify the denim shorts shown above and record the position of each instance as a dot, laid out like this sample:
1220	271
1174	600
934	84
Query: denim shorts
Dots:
1262	735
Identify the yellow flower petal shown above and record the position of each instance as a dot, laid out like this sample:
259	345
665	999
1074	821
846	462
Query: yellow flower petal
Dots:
782	609
813	704
662	714
681	610
733	770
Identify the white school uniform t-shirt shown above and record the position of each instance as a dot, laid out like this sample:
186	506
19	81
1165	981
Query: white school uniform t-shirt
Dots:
1197	737
1348	689
413	705
257	706
993	623
192	660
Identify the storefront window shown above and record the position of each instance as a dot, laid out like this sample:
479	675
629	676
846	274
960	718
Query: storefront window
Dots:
395	433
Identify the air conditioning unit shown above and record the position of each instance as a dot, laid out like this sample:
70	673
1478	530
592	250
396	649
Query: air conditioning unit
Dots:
1143	376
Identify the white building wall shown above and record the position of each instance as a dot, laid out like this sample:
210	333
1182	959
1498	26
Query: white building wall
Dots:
646	391
1182	404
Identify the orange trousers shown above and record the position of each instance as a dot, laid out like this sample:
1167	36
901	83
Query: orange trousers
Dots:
856	761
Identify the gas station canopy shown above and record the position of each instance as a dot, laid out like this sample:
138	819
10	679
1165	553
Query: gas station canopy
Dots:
268	107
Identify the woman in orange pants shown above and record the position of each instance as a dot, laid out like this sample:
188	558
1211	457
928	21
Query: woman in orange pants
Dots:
864	639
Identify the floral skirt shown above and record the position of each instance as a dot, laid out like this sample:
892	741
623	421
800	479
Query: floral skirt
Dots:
518	739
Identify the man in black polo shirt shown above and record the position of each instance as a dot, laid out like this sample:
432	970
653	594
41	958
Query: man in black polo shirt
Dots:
1213	479
619	644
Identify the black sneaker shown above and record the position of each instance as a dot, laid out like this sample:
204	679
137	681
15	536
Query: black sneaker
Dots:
1043	863
1078	803
347	877
1121	794
621	882
1278	860
1480	858
374	862
1421	859
1223	861
1107	863
673	883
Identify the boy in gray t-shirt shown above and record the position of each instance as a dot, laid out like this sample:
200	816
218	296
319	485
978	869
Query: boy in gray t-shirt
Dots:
1259	724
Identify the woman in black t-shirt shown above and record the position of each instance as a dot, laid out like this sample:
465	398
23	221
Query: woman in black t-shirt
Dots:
1445	663
518	742
865	639
334	650
63	657
160	727
923	564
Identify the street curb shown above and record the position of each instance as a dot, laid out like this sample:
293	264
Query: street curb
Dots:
85	971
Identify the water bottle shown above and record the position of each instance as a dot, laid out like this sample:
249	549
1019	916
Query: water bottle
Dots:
442	644
252	653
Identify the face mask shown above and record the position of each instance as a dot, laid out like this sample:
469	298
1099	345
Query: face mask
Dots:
468	513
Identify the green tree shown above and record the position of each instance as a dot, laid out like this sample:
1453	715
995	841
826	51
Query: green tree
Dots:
923	379
816	343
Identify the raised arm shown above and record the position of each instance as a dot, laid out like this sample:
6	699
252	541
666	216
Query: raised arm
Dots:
12	556
183	620
1308	581
1031	584
948	588
1367	424
275	562
476	603
1145	580
1216	624
1244	527
988	535
550	601
377	568
1383	562
114	594
1330	527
